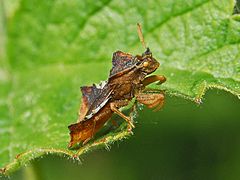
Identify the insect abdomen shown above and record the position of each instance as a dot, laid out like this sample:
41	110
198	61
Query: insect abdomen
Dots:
85	130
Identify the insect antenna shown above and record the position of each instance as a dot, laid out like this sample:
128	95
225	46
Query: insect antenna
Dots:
140	35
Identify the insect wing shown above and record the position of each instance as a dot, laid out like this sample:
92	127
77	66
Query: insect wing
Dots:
97	96
87	99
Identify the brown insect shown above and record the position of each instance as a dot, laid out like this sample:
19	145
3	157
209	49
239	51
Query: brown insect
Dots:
127	80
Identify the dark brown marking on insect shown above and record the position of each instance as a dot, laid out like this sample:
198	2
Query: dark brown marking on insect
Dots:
127	79
121	62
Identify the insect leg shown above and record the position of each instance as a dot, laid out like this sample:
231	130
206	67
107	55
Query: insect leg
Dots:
151	100
114	108
150	79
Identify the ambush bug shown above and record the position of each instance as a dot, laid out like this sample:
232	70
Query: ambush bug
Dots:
127	80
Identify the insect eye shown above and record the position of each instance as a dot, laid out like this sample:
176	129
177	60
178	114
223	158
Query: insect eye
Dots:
145	64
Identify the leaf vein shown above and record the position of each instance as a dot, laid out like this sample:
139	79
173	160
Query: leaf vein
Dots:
91	14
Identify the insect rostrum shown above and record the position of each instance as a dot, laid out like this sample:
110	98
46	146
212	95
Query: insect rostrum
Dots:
128	79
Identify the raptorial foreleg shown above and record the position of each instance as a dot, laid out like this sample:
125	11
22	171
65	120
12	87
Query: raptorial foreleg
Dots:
151	100
151	79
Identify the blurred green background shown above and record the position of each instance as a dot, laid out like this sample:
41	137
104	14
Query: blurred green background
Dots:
182	141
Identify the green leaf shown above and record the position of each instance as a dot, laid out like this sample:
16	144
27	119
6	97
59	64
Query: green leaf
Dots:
53	47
